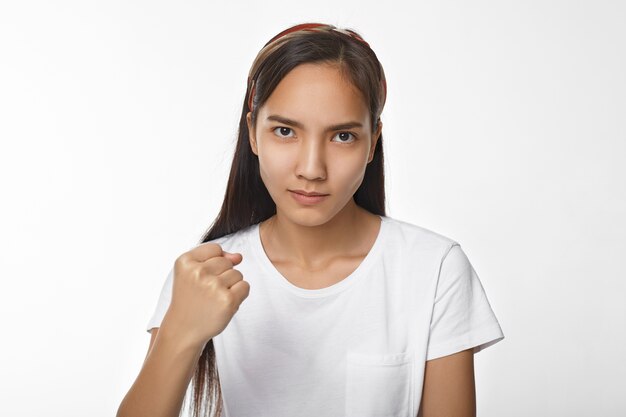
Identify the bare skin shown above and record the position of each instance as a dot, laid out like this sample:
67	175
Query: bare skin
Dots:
326	272
449	387
207	291
313	157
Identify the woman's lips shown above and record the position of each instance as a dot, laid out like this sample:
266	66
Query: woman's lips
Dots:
307	200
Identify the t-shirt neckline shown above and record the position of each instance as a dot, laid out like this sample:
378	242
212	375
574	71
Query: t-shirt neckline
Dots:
348	281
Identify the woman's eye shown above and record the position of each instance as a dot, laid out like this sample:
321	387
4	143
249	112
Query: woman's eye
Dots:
347	133
344	136
282	130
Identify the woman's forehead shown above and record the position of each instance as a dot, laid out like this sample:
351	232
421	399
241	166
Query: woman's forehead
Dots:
306	92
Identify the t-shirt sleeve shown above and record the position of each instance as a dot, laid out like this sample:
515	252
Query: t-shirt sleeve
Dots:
462	316
163	302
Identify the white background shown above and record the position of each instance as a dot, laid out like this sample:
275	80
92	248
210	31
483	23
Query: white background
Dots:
504	129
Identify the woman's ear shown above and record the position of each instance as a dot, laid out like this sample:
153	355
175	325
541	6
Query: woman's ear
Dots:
251	134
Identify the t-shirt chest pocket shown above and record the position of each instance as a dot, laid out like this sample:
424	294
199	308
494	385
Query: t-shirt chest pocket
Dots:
379	385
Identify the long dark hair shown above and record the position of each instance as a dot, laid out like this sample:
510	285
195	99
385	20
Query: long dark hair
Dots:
247	201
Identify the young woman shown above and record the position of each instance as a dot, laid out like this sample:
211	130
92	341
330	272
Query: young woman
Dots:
344	311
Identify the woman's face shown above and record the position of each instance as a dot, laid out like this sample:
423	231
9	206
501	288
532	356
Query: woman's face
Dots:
301	145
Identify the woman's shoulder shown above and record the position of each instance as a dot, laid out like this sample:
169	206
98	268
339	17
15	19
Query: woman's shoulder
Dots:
407	233
234	241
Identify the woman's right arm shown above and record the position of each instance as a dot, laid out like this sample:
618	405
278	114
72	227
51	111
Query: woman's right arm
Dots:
206	292
160	387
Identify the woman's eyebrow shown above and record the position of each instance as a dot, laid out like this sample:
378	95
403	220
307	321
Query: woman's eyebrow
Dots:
341	126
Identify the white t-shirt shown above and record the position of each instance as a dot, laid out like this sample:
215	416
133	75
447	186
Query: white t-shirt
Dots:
354	349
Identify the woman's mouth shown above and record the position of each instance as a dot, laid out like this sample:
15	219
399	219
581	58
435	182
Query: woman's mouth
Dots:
307	200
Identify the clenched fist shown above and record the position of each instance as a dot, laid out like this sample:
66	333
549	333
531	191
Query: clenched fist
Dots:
206	293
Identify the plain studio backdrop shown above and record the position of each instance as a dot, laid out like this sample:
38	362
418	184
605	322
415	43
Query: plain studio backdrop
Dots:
504	129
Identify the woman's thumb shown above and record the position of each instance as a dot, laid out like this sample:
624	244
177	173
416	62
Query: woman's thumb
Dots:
235	258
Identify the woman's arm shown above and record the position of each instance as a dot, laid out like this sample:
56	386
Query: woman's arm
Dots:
161	385
449	388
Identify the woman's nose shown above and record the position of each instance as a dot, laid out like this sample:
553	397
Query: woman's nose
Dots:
311	162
